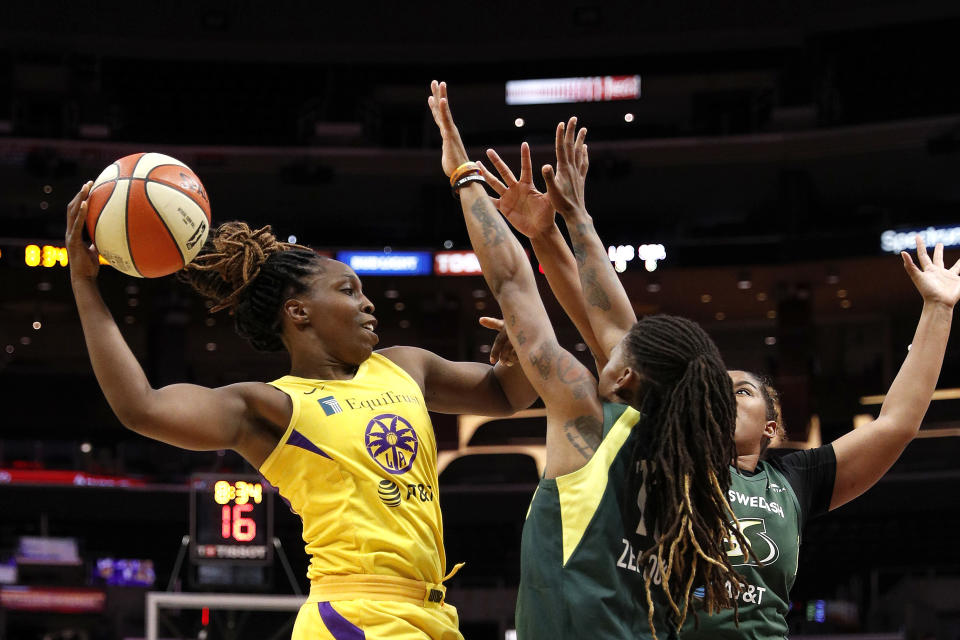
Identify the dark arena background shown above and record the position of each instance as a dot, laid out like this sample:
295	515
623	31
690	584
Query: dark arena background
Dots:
756	181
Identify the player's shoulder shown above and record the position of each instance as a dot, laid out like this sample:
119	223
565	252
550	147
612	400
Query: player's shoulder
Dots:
414	361
260	398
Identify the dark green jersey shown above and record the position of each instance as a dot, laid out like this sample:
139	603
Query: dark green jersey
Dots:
579	576
771	506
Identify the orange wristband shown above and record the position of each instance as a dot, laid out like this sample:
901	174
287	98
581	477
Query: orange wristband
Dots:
462	170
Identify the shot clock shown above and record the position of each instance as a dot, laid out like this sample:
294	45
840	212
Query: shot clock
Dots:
231	519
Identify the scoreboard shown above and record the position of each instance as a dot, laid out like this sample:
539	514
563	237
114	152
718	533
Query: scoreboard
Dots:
231	519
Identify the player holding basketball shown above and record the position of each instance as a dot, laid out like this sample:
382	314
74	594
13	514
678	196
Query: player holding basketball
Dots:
771	499
632	509
345	437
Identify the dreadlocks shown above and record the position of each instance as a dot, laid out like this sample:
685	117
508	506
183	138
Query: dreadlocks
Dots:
251	273
689	412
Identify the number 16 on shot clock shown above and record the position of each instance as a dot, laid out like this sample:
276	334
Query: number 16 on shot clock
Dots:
231	519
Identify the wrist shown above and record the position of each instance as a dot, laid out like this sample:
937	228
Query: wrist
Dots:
549	233
576	215
81	280
937	305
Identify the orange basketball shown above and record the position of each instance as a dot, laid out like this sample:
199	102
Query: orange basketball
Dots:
148	215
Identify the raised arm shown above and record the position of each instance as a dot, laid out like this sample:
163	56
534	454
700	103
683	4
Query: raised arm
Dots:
569	391
607	305
246	417
585	284
532	214
866	453
465	387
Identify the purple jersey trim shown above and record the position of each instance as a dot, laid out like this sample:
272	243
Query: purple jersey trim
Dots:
297	439
338	626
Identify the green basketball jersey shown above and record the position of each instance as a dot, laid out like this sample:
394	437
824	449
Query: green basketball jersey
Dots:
769	518
771	507
579	576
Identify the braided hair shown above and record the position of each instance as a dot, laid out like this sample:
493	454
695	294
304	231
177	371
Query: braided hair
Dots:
689	411
251	273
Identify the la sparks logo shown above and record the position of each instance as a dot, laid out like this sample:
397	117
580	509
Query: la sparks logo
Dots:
391	442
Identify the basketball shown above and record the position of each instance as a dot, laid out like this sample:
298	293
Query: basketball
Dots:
148	215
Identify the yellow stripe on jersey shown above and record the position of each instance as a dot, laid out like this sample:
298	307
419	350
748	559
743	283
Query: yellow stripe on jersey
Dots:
581	491
358	464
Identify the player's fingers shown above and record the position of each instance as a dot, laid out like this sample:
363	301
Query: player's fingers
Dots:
585	161
491	323
570	133
496	350
911	268
923	260
502	168
558	143
76	228
492	180
550	178
581	137
526	169
955	269
938	254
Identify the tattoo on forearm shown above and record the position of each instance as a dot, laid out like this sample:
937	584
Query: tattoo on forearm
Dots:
493	229
585	434
521	338
593	289
579	251
543	358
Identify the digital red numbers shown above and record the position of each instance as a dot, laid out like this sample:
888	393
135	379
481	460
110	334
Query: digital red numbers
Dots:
233	524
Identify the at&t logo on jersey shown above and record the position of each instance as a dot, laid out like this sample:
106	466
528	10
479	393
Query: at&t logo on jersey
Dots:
330	405
391	442
389	493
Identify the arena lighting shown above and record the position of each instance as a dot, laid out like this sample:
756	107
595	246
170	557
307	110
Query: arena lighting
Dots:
897	241
396	263
624	253
564	90
939	394
456	263
47	256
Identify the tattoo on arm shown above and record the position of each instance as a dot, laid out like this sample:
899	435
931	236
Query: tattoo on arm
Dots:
573	374
579	252
585	434
593	290
493	229
543	358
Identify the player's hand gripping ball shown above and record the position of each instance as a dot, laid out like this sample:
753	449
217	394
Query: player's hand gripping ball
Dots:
148	215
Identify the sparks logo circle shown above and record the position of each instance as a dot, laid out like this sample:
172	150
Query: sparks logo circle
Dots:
389	493
392	443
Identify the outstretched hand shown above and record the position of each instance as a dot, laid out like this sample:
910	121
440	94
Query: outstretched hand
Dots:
524	206
453	152
83	259
502	350
934	282
565	183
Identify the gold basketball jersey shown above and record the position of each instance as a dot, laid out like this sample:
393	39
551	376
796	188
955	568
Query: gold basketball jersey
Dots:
358	464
